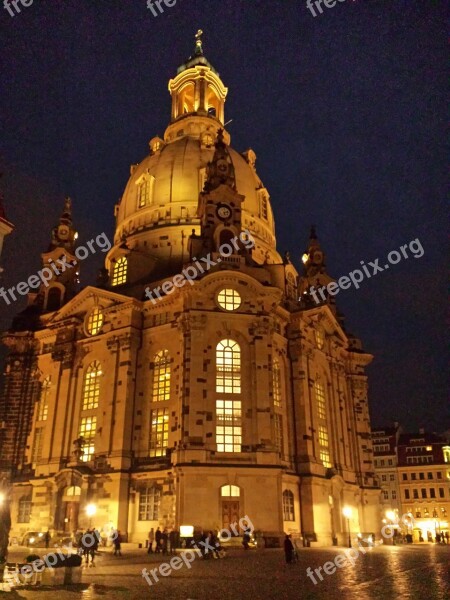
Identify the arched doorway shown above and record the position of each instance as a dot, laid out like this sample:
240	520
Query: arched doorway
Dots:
230	505
68	508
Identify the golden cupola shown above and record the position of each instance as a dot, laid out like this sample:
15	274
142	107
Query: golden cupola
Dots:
159	208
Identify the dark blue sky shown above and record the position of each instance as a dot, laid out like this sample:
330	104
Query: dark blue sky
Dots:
345	112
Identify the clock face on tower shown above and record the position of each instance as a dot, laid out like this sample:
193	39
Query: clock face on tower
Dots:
63	232
223	212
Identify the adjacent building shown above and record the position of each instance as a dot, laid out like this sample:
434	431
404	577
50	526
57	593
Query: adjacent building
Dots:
424	480
385	462
413	470
198	381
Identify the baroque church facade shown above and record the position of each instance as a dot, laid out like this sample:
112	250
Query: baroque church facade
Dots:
232	394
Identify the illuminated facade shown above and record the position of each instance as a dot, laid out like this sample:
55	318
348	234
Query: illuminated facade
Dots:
231	394
424	480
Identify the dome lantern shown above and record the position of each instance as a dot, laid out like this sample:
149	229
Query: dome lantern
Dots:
197	88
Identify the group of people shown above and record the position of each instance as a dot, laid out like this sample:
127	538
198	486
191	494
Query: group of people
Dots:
165	542
89	541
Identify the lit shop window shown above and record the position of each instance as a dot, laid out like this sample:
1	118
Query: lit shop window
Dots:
229	299
161	377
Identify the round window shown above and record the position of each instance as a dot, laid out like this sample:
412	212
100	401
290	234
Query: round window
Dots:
229	299
95	321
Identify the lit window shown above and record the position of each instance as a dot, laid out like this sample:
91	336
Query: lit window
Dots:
91	389
95	321
320	338
228	367
36	453
228	425
279	433
276	373
446	452
229	299
143	193
159	432
288	506
149	504
230	491
120	271
161	377
43	400
24	510
320	400
88	427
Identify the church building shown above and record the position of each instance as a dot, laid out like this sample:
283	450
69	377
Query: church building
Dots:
198	381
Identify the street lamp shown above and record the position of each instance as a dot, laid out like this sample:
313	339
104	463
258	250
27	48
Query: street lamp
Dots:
390	516
91	510
347	512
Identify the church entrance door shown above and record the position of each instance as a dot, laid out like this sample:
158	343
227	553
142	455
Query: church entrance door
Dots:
230	515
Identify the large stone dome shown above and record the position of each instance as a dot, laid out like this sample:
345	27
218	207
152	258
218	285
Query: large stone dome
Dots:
158	210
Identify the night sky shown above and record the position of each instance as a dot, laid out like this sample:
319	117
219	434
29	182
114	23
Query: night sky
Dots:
346	114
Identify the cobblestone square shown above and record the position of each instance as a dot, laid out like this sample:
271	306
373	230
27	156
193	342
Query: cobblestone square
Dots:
383	573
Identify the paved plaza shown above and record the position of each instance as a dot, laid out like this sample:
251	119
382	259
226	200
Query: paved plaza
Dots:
402	572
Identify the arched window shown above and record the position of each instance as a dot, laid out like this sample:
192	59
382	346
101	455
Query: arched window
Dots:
143	193
95	321
120	271
24	510
161	377
42	413
288	506
228	367
230	491
276	374
321	407
91	389
149	504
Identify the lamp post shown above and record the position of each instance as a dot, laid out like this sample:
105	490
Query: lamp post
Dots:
91	510
347	512
390	516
